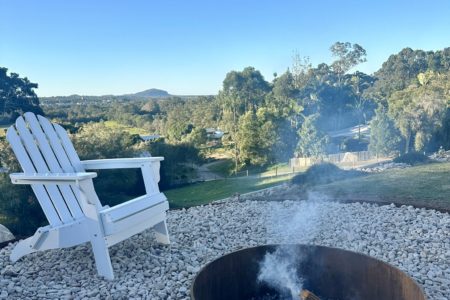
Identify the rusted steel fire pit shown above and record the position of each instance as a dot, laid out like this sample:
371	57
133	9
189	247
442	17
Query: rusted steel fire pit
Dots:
329	273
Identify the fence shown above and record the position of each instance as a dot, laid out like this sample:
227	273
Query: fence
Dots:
347	157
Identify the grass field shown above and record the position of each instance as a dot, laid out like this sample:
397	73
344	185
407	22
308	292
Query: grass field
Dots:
205	192
129	129
222	167
424	185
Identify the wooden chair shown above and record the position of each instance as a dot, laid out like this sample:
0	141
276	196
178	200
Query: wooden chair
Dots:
67	196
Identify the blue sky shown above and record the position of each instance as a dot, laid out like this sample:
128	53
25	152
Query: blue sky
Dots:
186	47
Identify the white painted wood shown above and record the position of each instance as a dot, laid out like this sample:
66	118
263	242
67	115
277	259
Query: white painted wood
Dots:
53	178
101	256
151	186
53	163
113	227
41	167
27	166
67	195
161	232
138	228
119	163
56	145
128	208
68	148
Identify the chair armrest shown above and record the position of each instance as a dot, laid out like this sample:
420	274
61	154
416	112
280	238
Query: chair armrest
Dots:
119	163
50	178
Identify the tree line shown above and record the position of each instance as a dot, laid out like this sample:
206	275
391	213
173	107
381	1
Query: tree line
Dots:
405	101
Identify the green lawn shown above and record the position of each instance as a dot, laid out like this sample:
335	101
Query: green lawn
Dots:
205	192
129	129
424	185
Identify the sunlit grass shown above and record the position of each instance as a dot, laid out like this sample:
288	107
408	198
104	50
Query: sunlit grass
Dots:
129	129
206	192
424	185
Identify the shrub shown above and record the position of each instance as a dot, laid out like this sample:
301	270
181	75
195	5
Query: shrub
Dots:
412	158
20	212
323	173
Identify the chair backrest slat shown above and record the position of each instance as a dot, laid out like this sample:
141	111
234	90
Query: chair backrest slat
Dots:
53	163
28	167
38	160
56	145
68	147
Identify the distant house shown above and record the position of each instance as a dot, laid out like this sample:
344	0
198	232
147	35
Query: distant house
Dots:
213	133
151	137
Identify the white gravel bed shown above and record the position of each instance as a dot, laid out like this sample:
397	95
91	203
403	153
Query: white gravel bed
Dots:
415	240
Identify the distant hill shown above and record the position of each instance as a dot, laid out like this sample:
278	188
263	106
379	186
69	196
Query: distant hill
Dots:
152	93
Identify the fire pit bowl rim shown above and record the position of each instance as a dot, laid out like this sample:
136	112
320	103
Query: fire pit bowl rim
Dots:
310	246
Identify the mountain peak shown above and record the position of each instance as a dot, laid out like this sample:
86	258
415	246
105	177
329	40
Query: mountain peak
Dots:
153	93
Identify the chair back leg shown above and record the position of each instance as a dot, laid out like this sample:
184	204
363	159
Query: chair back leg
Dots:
161	233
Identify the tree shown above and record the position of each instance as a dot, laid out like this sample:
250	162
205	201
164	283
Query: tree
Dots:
419	109
348	56
248	88
255	139
312	142
384	136
300	69
401	70
16	96
196	137
242	92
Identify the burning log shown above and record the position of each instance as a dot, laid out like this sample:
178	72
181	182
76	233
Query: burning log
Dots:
308	295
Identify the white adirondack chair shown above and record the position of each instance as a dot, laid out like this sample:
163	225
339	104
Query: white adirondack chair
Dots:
66	194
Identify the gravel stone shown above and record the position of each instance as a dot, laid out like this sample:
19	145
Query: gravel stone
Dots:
415	240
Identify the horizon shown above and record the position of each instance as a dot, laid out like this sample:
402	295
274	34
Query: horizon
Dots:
103	48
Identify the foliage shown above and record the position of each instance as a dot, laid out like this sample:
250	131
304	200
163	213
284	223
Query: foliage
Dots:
401	69
19	207
312	141
177	158
247	89
420	109
16	96
197	137
323	173
384	136
412	158
254	139
348	56
354	145
97	140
